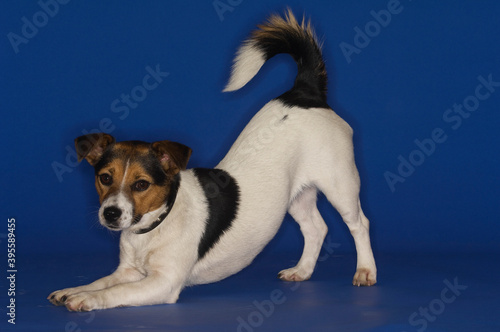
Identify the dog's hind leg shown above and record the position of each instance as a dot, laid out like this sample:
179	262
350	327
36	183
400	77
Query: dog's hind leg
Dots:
343	193
303	209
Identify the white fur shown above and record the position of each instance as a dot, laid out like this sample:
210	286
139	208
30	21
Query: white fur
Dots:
153	266
310	150
247	63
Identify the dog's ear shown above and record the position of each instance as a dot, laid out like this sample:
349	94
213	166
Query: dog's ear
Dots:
173	156
92	146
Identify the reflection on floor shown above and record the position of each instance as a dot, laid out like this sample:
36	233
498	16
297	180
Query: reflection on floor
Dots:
414	293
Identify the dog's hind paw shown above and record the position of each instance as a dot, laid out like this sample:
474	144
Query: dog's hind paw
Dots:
364	277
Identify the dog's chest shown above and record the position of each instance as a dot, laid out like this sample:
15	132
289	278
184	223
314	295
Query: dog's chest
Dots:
138	251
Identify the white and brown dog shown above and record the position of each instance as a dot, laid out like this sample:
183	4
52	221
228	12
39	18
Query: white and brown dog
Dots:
185	227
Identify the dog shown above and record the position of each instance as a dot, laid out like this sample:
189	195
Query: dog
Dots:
182	227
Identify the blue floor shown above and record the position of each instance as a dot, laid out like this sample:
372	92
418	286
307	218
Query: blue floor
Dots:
414	293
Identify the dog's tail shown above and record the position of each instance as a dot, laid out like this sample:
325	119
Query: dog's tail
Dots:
284	35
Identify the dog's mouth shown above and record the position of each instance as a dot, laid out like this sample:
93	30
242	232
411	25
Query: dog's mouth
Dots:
118	226
113	227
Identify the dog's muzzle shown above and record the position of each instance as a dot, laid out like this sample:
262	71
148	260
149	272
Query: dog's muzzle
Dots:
116	212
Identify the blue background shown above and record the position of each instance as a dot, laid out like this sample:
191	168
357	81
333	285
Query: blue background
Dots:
440	224
396	89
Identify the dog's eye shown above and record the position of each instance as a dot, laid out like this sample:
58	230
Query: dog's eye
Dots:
140	185
106	179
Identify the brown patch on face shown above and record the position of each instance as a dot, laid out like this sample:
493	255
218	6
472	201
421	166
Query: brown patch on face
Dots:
116	170
146	174
132	170
147	200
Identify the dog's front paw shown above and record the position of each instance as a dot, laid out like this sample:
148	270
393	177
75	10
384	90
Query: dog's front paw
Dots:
364	277
84	301
60	296
294	274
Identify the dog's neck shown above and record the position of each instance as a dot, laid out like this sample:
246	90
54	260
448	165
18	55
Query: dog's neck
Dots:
155	224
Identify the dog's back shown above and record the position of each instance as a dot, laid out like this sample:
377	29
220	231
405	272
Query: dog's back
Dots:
294	142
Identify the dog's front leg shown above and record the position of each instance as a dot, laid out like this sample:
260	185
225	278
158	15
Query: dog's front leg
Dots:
156	288
123	274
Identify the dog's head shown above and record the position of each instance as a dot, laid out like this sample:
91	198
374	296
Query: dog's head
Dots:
136	181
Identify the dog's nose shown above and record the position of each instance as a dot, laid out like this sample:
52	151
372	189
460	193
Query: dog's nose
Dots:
111	214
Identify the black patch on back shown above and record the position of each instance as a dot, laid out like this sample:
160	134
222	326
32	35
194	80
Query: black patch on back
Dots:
223	195
302	97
